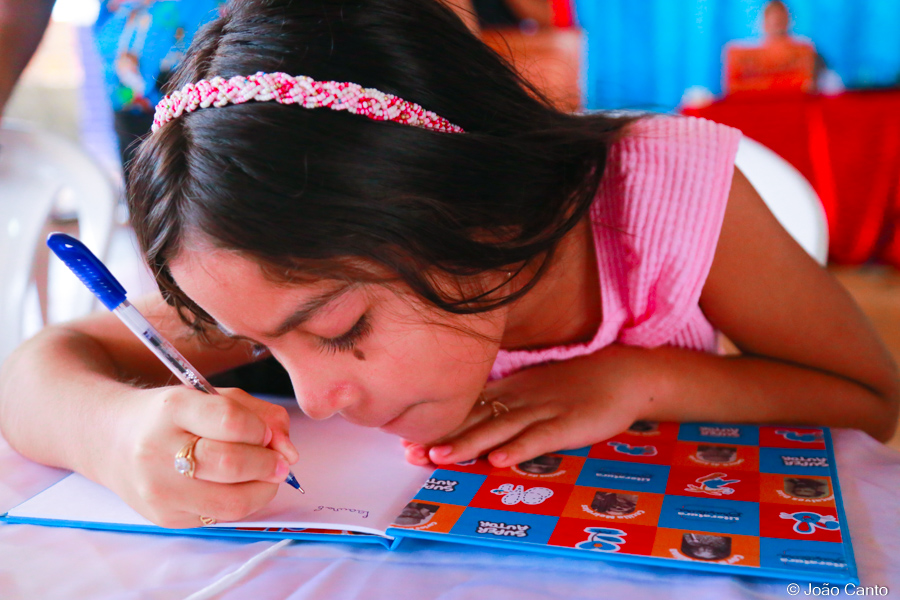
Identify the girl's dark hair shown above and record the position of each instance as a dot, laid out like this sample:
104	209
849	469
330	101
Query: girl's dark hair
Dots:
319	192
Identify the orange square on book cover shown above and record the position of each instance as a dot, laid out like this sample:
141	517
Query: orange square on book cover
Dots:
725	456
719	548
597	537
613	506
796	490
422	515
555	468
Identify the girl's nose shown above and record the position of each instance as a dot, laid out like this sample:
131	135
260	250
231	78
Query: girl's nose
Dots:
321	384
330	399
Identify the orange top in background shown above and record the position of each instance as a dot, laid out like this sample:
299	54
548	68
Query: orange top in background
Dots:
788	65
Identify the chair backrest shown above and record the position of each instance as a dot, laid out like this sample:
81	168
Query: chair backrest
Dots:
788	195
36	168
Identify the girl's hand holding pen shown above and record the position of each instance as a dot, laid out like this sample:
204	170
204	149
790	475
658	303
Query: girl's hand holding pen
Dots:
241	457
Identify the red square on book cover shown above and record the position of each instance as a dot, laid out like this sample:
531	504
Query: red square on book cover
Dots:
818	524
638	450
792	437
514	494
712	482
623	538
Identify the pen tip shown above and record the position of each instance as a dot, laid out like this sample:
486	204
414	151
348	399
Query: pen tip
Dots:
292	481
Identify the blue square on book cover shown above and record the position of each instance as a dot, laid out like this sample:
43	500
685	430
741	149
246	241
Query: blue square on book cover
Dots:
451	487
794	461
576	452
505	525
744	435
617	475
804	555
708	514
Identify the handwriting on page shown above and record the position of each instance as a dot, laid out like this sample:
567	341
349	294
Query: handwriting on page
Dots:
363	513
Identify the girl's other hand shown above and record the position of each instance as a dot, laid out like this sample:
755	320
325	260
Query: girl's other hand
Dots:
241	458
555	406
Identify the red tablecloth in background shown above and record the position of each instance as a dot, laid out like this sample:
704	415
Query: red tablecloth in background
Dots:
848	146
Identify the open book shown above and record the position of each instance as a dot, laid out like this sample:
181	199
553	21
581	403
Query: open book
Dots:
739	499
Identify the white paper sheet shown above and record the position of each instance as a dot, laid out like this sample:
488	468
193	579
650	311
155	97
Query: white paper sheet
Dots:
355	479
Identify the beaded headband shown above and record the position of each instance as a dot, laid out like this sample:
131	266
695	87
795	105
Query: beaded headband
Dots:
302	90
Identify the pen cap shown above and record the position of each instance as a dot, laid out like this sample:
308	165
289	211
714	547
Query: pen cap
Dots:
88	268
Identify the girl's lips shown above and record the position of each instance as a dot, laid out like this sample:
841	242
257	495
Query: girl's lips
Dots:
398	426
388	426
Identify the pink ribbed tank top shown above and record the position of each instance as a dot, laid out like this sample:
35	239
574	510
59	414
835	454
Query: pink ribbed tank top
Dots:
656	221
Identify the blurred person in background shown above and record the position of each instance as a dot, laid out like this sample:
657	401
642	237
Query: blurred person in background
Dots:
781	62
140	43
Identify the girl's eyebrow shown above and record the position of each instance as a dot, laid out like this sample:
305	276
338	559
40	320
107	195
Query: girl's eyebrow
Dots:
303	313
308	309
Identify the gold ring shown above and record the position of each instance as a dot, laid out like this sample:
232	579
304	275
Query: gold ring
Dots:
184	460
207	520
497	407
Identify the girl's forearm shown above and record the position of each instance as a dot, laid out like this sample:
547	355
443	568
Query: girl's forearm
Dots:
61	403
684	385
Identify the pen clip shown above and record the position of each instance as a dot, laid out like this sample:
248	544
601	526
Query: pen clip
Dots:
88	269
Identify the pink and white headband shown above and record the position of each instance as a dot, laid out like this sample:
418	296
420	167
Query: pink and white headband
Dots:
302	90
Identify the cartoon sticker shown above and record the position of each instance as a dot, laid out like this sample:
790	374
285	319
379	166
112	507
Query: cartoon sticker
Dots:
428	516
818	523
714	483
557	468
634	450
721	456
812	438
800	490
588	535
613	506
504	493
706	547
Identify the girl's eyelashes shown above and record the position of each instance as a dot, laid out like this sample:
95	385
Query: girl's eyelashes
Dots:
258	350
347	341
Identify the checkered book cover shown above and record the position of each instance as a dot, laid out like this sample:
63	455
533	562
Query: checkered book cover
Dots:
759	501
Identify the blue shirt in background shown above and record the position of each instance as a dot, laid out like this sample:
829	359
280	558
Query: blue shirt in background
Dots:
141	41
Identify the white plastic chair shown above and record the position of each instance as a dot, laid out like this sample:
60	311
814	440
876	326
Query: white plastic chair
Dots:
788	195
36	168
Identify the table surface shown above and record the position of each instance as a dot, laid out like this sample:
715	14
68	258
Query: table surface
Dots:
49	562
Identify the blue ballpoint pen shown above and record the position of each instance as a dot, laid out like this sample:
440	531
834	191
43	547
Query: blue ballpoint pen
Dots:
112	295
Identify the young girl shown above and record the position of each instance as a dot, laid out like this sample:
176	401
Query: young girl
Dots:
458	264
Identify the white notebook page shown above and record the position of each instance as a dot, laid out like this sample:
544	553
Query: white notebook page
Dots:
355	478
